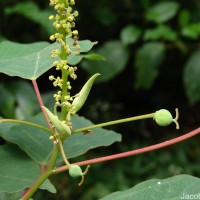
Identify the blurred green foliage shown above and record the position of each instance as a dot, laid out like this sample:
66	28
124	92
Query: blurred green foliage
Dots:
152	61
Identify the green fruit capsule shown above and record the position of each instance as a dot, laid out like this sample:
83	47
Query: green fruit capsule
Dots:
163	118
62	129
75	171
83	94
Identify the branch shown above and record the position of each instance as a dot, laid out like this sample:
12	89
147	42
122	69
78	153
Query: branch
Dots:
133	152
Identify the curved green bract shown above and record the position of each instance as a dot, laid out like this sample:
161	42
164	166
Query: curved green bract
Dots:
83	94
62	129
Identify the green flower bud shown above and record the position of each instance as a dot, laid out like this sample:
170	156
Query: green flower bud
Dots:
51	17
75	32
83	94
52	37
75	171
163	118
70	18
62	129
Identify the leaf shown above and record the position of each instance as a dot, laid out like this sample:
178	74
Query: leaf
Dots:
191	31
37	145
174	188
162	11
17	99
184	18
160	32
17	171
80	143
191	76
116	59
95	56
74	60
147	63
130	34
7	102
14	196
29	61
34	13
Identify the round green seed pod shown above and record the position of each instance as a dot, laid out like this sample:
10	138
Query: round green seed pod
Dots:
75	171
163	117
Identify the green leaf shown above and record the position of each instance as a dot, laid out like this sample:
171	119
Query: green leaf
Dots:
191	31
191	76
30	61
74	60
174	188
7	102
17	171
147	63
184	18
116	59
37	145
14	196
130	34
18	100
162	11
95	56
80	143
34	13
160	32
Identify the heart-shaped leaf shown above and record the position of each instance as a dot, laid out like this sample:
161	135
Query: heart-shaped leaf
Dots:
29	61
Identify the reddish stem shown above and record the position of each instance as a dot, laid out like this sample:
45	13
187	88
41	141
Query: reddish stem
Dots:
41	102
134	152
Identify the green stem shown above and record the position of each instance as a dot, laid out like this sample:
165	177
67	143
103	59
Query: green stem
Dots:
30	192
63	155
65	74
151	115
64	93
27	123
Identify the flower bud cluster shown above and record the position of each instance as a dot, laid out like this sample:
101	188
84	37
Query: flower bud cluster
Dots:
64	23
64	20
